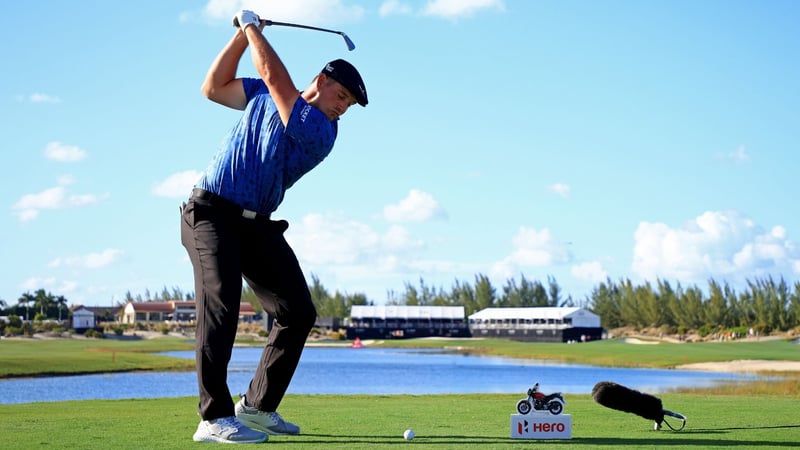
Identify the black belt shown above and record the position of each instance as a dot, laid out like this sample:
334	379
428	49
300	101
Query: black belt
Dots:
216	200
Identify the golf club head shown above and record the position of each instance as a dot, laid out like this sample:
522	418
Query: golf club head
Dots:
676	415
350	45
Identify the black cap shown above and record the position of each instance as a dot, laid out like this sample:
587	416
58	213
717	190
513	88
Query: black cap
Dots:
347	75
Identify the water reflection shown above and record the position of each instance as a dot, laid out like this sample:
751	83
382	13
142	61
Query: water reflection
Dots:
366	371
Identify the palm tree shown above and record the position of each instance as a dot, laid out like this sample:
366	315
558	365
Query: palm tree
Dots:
62	303
44	300
26	300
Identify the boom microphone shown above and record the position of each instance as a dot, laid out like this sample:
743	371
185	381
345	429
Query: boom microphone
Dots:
616	396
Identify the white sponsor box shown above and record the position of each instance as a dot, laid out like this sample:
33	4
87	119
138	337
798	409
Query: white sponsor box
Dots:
538	425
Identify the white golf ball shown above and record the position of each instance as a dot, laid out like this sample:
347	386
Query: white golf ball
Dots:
408	435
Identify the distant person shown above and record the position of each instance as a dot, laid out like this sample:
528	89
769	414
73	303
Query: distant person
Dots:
229	235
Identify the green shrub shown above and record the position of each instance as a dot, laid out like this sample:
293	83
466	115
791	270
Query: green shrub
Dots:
92	333
707	329
49	325
762	329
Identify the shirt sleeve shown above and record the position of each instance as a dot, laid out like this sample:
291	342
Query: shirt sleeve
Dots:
310	137
310	128
253	87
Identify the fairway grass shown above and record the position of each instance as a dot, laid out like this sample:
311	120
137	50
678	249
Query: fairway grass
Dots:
475	421
48	357
743	415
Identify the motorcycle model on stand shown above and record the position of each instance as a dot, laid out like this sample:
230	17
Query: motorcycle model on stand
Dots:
553	403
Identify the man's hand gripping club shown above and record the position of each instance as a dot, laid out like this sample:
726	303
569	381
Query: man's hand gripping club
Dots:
245	18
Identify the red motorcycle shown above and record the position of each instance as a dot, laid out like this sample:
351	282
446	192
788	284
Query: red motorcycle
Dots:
554	403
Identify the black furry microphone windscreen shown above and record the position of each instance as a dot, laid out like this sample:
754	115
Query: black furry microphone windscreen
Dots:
621	398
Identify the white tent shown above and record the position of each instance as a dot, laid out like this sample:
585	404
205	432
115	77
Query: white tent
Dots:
575	317
407	312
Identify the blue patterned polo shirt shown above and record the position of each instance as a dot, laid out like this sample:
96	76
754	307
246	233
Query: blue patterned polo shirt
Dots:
260	158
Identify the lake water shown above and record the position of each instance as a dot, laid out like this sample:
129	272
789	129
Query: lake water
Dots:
343	370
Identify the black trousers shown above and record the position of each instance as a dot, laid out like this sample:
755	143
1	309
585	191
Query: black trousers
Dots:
224	248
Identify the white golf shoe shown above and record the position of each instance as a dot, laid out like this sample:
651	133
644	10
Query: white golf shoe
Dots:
227	430
268	422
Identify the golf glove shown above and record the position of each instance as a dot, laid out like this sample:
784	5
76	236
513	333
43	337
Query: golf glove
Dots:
244	18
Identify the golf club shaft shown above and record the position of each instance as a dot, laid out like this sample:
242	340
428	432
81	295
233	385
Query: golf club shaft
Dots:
350	44
297	25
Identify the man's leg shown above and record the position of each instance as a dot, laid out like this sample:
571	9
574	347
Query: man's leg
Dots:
211	239
277	280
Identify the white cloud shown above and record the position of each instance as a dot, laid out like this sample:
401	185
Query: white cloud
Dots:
26	215
57	151
717	244
65	180
344	252
739	155
560	189
394	7
29	205
398	238
43	98
451	9
67	287
48	199
323	239
592	271
328	239
50	284
532	249
177	185
82	200
418	206
89	261
35	283
309	12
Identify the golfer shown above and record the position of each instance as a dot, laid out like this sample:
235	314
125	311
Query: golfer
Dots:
229	235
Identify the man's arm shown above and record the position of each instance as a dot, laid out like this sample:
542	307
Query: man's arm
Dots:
273	72
221	84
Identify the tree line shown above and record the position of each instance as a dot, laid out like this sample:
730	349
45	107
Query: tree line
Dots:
765	304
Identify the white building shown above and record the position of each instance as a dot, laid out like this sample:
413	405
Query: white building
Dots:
82	318
379	322
556	324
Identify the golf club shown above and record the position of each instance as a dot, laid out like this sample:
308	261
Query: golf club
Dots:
350	45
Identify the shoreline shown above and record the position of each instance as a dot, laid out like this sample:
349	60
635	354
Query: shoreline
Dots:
743	366
748	366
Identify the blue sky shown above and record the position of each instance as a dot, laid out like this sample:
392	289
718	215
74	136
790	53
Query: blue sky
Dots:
582	140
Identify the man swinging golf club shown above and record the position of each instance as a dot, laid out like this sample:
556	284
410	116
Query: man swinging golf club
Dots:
229	235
